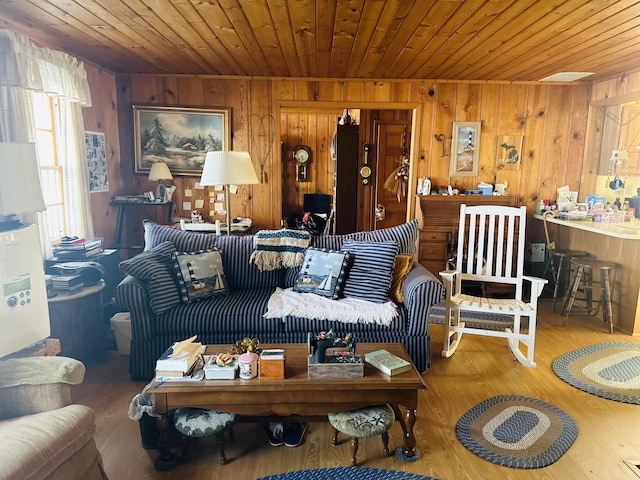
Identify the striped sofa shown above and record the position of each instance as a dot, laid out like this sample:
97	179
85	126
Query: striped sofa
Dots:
158	319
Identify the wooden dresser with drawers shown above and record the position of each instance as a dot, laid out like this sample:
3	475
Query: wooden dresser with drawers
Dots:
440	214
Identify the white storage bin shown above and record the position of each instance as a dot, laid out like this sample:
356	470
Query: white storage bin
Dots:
121	325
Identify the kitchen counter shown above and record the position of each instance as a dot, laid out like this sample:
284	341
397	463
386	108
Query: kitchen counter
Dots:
614	242
625	230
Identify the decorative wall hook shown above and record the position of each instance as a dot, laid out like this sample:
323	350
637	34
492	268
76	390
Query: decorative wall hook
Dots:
441	138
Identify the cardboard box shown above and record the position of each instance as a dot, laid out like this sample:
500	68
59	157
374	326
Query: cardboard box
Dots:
121	325
271	364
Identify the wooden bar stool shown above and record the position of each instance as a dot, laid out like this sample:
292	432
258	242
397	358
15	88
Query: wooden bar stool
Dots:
583	280
560	263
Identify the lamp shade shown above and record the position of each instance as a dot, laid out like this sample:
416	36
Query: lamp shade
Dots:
228	168
20	189
160	171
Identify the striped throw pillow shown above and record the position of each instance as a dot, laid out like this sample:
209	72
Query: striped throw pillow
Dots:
155	268
372	264
155	234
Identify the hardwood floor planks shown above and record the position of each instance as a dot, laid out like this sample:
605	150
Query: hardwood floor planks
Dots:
609	432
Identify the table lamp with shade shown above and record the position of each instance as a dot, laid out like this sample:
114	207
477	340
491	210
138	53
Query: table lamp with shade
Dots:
160	172
228	168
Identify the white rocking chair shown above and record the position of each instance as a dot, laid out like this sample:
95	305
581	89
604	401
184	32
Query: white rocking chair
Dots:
491	250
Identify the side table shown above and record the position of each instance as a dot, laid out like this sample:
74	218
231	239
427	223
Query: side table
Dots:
77	320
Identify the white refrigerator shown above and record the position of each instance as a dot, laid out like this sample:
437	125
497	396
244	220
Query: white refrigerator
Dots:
24	313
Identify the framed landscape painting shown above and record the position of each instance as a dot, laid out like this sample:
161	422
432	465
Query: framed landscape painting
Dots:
465	149
178	136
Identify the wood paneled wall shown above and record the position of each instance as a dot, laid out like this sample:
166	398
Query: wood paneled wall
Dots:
551	118
102	117
316	131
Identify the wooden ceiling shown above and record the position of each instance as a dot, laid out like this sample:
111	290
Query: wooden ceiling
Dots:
499	40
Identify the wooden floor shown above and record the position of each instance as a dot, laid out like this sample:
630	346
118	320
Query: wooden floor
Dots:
609	432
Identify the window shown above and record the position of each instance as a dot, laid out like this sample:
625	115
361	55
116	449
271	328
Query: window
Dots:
47	122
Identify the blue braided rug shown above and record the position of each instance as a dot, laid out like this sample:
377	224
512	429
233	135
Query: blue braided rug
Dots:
350	473
608	370
518	432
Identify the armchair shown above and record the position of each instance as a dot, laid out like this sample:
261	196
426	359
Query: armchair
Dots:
43	435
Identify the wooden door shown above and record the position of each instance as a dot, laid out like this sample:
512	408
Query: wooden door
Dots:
393	144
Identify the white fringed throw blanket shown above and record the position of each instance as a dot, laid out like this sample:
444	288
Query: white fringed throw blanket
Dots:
285	302
274	249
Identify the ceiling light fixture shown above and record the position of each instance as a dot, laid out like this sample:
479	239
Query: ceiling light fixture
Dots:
566	76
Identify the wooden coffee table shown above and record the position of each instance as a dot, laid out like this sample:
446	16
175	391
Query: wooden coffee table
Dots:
307	399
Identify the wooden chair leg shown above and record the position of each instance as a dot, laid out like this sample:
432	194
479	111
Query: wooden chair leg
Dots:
385	443
334	438
354	450
571	294
223	458
607	311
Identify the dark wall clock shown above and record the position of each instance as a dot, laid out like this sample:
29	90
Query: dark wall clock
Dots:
301	156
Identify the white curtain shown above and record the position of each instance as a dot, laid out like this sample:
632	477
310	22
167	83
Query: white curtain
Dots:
25	68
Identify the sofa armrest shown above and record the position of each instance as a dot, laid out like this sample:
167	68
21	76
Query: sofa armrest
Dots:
421	290
37	384
132	294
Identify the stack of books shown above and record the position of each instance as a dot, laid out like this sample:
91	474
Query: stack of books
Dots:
67	283
180	359
74	249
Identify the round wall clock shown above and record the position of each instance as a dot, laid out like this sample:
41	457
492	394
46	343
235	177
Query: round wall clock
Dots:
301	155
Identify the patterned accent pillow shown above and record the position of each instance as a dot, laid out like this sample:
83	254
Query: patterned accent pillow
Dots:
155	268
404	264
371	269
155	234
200	274
322	272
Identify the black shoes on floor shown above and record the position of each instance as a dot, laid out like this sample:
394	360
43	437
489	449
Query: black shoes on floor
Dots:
294	432
289	434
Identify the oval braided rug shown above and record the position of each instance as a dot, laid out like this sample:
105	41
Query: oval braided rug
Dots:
351	473
609	370
516	431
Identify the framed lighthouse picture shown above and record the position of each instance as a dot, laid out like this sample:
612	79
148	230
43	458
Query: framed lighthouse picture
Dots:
465	149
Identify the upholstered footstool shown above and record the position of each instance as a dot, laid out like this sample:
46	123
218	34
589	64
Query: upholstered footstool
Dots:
364	422
199	422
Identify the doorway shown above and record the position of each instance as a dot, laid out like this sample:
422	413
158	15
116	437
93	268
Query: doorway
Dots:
393	140
314	126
